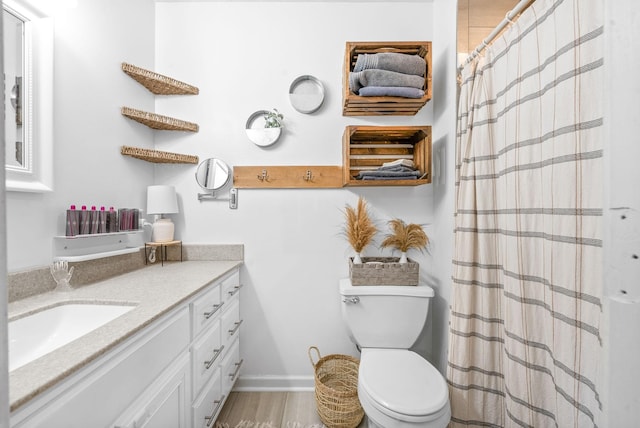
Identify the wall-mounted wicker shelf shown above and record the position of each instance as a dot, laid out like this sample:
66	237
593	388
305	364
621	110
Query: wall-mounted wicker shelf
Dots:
287	177
158	83
356	105
156	121
368	147
157	156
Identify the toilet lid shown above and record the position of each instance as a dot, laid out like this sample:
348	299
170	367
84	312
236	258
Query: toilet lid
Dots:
402	382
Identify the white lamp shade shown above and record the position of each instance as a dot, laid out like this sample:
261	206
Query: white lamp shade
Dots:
162	200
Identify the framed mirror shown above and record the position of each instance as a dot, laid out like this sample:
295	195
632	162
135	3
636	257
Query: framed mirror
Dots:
28	79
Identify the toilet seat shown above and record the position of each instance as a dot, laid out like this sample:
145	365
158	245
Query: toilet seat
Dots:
402	385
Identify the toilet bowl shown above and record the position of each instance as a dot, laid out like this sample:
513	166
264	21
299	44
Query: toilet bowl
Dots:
399	389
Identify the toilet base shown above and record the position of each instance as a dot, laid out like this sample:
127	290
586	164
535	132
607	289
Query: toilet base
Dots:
376	419
441	422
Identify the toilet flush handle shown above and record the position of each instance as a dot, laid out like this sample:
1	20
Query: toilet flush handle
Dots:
354	299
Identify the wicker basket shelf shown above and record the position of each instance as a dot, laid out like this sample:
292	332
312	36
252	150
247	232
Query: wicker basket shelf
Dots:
157	121
157	156
157	83
355	105
368	147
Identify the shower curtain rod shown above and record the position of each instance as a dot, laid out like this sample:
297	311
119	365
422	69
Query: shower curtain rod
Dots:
508	19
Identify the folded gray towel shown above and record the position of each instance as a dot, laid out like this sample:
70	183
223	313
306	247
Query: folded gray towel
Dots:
391	91
381	174
383	78
399	177
392	61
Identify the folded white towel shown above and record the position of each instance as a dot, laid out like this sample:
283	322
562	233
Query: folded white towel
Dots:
403	162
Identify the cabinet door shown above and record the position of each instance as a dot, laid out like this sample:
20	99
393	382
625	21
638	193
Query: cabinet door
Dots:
164	404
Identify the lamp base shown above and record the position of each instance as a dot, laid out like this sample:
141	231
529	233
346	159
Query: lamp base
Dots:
162	231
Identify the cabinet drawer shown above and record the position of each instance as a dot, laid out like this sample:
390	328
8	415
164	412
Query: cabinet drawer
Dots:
206	356
204	309
231	365
230	286
231	323
207	407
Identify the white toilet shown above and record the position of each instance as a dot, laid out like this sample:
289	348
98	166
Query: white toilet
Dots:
396	387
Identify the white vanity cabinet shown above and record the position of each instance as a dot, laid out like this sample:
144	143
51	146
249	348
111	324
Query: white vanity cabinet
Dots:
171	374
105	390
216	328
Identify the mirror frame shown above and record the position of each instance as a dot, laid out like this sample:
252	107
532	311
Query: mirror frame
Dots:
217	162
37	174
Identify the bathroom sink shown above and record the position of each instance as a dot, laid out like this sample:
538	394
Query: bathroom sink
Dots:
37	334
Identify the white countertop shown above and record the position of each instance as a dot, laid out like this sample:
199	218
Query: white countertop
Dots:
155	290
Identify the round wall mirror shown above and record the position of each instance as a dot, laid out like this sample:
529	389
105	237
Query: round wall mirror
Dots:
213	174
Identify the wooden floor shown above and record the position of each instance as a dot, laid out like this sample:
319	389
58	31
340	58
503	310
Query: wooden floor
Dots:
281	409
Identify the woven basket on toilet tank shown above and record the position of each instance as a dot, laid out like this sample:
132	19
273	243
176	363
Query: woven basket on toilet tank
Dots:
336	389
384	271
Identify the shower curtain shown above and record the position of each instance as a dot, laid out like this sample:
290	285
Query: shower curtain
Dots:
525	342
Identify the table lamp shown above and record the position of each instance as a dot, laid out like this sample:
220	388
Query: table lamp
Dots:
162	200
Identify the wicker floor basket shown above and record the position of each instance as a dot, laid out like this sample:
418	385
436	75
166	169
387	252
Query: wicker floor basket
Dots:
336	389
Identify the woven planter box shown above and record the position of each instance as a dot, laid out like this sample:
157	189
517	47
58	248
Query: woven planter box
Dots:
384	271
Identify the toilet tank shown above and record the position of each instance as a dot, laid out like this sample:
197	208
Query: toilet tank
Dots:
378	316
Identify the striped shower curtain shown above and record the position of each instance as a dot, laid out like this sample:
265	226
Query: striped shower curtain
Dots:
525	342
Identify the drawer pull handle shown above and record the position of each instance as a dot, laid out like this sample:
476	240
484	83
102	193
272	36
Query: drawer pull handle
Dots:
235	372
235	289
234	329
208	315
209	419
216	354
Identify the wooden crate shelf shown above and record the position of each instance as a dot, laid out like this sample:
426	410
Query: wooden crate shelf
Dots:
287	177
355	105
368	147
156	121
157	156
158	83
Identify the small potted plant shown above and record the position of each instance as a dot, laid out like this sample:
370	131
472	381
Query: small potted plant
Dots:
359	228
404	237
273	119
267	130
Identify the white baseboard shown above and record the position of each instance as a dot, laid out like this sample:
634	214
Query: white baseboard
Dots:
274	383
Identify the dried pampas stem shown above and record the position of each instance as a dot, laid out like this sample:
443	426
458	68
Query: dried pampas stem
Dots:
404	237
359	227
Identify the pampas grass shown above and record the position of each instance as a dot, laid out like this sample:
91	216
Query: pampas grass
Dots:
405	237
359	228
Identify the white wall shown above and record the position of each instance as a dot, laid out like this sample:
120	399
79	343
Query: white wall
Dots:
622	231
91	41
243	56
444	106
